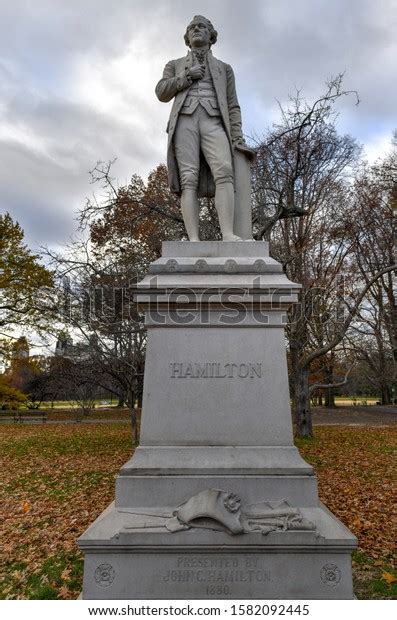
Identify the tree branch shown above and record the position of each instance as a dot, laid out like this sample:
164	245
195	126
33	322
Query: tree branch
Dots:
316	386
352	313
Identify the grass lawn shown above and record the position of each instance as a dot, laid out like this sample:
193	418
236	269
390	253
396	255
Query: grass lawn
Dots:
110	413
56	479
70	413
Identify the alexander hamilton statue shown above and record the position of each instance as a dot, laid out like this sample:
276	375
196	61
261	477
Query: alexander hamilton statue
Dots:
204	129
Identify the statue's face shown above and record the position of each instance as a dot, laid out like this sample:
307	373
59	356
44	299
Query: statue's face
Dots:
199	34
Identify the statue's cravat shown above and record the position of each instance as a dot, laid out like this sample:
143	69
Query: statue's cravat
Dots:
200	56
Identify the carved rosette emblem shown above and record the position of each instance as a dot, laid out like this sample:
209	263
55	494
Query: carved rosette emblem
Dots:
230	265
259	265
232	502
201	265
104	575
171	265
330	575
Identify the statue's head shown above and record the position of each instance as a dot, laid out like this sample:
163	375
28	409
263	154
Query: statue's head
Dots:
200	32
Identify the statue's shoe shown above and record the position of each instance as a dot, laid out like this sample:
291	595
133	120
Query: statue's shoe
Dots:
231	238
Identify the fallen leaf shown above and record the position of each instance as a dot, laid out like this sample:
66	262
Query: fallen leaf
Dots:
389	577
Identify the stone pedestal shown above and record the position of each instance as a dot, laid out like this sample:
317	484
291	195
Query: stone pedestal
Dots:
216	501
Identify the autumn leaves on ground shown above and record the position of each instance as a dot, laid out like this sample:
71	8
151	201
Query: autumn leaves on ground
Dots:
57	479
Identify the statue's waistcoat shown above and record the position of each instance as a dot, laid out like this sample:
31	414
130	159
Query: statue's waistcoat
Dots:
202	92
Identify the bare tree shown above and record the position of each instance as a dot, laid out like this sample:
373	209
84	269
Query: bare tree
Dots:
304	204
95	303
300	158
96	277
375	331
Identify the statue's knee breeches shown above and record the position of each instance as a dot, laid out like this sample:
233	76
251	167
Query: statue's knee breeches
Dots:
201	132
223	173
187	150
216	148
189	178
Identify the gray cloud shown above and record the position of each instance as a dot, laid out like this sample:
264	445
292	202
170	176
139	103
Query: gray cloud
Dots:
77	80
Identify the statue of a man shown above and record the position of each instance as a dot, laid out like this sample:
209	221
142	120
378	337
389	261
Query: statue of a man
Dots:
203	130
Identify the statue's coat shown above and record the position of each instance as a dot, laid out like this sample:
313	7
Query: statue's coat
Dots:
174	76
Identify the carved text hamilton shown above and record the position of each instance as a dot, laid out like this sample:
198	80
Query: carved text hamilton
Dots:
215	370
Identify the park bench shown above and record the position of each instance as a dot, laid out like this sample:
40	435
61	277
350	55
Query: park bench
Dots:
23	416
6	413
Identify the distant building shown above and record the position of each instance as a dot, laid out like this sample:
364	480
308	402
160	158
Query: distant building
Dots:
64	346
75	352
20	349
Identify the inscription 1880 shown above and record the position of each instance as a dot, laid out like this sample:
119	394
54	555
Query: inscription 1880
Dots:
217	574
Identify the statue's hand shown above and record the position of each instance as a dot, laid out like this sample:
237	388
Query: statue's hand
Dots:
242	146
197	72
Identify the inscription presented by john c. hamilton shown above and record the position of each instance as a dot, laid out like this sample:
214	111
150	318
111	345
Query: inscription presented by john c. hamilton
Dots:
216	574
215	370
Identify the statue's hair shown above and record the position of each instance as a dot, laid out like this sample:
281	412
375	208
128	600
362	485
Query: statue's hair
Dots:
213	32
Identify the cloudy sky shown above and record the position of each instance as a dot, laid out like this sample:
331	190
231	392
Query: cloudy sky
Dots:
77	82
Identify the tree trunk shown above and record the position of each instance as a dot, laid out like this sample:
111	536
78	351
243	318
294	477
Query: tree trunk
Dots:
301	404
386	395
330	398
134	419
329	392
134	424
